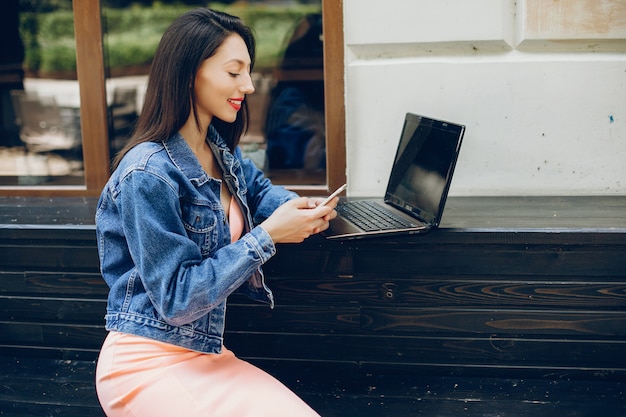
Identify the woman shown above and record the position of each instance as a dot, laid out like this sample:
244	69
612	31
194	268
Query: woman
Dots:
183	223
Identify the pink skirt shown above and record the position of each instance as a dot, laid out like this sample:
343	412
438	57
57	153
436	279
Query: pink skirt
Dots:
138	377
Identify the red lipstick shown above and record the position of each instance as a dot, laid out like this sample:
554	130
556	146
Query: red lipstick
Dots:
235	103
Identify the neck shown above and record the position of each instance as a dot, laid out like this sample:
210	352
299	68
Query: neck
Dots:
194	137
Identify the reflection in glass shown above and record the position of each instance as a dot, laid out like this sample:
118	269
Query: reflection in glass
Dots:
288	135
40	141
294	129
288	141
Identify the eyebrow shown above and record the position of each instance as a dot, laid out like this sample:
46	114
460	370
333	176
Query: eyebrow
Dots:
237	61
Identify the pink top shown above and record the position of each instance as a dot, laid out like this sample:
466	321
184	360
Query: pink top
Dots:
235	218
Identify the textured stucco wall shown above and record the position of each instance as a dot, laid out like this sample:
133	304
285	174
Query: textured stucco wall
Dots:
540	85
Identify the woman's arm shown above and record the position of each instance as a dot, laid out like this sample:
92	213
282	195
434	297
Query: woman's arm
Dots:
263	197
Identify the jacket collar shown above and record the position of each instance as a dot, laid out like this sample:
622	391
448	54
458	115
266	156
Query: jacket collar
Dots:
183	157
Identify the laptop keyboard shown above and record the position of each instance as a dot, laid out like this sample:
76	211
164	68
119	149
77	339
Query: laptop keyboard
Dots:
371	216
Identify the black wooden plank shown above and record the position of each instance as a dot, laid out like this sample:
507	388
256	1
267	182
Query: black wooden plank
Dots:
54	283
539	253
52	310
46	257
29	409
50	234
451	291
35	352
478	260
495	322
420	321
294	319
49	391
484	236
48	387
502	356
309	260
60	336
37	368
48	211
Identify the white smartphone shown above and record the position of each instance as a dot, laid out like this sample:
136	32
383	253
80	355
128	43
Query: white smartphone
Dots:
333	195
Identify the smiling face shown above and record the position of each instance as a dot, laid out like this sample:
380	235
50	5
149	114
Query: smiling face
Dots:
222	81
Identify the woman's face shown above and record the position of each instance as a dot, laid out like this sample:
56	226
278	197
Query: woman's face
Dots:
223	80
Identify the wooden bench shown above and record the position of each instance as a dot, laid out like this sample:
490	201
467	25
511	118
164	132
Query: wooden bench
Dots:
515	306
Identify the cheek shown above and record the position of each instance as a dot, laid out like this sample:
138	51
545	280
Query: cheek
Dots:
209	89
205	95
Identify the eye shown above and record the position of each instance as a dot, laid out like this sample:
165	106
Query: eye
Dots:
233	74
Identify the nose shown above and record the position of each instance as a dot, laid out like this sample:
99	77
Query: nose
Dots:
247	87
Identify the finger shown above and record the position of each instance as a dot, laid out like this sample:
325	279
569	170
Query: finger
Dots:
330	215
301	202
317	201
322	211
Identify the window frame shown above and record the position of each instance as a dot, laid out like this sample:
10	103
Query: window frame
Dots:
93	109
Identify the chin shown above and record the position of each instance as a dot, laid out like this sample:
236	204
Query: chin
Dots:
228	118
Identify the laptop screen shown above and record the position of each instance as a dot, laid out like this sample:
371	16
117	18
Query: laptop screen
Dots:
423	167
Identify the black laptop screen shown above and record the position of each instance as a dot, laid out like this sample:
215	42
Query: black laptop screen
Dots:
423	167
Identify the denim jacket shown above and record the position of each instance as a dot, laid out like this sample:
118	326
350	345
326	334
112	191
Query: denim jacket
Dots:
164	242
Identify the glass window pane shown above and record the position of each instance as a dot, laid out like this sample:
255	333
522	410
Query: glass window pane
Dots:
40	140
287	134
286	137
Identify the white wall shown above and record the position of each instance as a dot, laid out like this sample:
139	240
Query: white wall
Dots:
540	85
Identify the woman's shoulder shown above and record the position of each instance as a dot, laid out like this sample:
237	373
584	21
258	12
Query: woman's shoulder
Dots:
141	153
141	157
147	157
149	165
169	162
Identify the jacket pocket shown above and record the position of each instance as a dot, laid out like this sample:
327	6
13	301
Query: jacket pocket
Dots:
200	220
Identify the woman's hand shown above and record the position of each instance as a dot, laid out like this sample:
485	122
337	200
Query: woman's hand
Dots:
298	219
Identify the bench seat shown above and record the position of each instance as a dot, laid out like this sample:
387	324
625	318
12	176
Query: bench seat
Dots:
514	306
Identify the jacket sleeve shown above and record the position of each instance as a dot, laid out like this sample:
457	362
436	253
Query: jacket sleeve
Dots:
263	197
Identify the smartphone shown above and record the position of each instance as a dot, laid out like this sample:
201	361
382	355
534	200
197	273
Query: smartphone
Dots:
333	195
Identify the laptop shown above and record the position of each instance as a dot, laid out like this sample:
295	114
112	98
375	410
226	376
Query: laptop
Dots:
417	188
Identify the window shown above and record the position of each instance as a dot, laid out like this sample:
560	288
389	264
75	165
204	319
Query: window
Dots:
40	140
96	107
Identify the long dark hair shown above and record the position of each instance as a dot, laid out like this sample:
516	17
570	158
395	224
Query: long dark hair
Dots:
189	40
